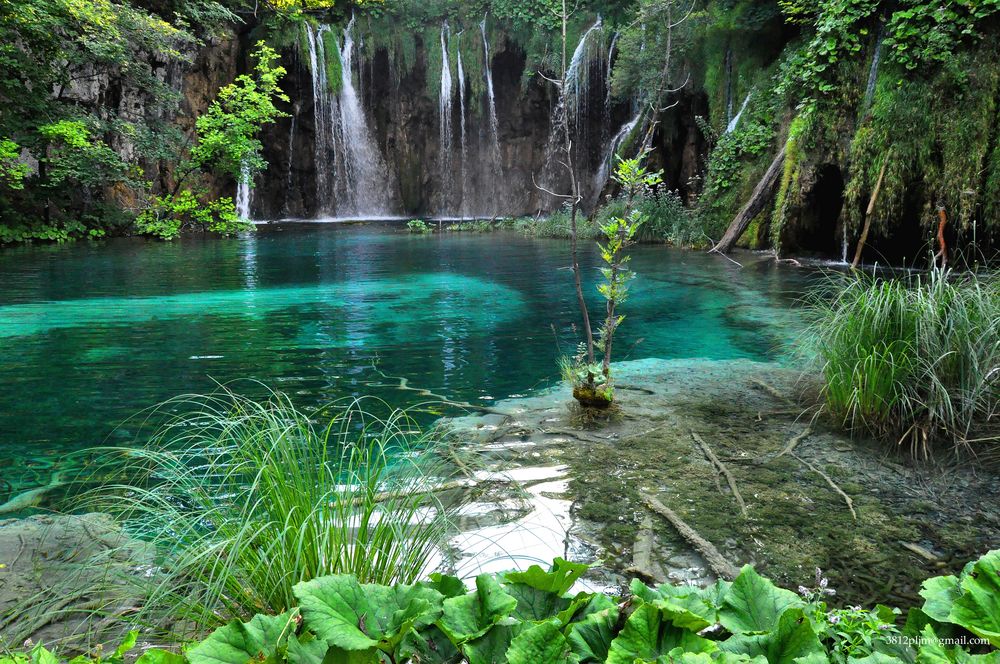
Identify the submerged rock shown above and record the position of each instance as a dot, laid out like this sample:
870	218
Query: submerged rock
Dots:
800	499
66	576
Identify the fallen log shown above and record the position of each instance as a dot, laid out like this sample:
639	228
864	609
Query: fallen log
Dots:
721	467
716	561
762	193
868	214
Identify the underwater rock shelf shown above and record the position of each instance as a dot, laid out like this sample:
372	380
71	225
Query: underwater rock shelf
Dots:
877	526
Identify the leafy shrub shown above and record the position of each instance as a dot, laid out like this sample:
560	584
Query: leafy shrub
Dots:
912	360
532	617
245	499
166	216
418	226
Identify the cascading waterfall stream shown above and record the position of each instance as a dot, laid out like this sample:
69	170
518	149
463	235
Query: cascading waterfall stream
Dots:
364	175
445	110
496	164
736	118
351	177
462	133
603	172
576	85
321	111
873	71
243	192
573	96
291	157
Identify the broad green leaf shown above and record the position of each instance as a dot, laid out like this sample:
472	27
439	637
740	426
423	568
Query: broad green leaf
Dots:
449	586
470	616
428	646
126	645
940	593
491	648
978	607
337	655
791	640
754	604
649	633
875	658
584	605
40	655
700	602
591	637
306	649
352	616
540	594
541	643
932	651
159	656
559	579
238	643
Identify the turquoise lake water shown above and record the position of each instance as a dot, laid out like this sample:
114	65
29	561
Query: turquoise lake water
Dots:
93	333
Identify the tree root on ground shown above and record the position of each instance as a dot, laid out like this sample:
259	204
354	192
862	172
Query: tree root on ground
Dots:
833	485
721	468
716	561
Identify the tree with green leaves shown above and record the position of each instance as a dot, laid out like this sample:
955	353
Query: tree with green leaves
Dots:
226	142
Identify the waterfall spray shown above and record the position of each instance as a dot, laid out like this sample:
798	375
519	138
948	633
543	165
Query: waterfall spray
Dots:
736	118
873	71
445	128
321	113
496	164
461	111
291	159
576	84
243	193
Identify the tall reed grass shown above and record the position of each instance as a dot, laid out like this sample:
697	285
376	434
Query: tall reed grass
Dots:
913	361
244	499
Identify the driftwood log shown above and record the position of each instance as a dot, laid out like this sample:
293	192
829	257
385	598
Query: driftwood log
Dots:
762	193
716	561
868	214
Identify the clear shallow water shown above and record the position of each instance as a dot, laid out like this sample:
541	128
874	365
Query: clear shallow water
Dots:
90	334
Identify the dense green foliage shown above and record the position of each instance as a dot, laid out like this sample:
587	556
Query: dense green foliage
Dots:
73	162
533	617
913	362
245	499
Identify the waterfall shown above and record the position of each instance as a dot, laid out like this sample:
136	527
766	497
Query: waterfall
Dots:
573	97
445	111
736	118
873	71
843	246
461	110
291	159
321	111
603	173
243	192
491	99
495	164
365	178
607	74
351	176
576	83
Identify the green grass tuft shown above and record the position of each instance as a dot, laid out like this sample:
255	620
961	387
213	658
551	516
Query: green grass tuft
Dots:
914	362
245	499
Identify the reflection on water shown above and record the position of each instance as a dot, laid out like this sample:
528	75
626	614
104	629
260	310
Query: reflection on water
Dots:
93	333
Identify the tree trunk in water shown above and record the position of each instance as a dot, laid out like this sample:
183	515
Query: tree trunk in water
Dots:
760	197
868	215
